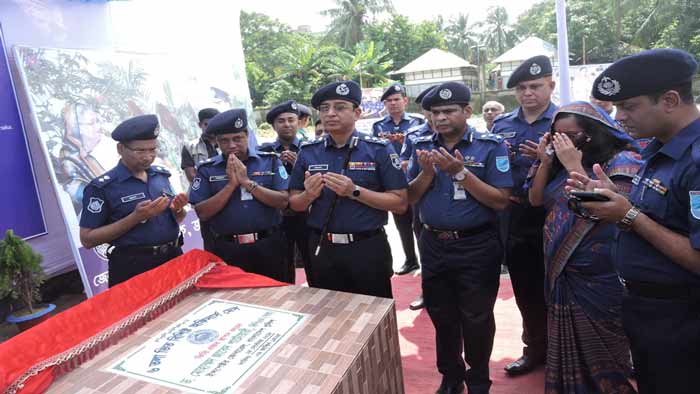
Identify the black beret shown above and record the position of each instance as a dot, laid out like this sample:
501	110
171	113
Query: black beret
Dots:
303	110
393	89
447	93
231	121
422	94
286	107
207	113
143	127
341	90
647	72
533	68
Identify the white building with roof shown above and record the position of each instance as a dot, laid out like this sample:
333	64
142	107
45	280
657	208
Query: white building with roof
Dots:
512	58
437	66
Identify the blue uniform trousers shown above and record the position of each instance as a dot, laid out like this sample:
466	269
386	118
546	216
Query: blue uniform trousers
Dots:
267	256
460	281
664	337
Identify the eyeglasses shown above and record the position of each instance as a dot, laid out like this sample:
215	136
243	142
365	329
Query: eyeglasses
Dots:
143	151
325	108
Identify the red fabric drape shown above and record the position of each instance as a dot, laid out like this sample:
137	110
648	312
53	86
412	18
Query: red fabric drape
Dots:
75	325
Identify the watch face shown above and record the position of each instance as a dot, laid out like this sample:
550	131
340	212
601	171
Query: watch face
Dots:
356	192
460	176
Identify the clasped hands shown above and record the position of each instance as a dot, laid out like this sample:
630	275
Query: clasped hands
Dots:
236	171
442	159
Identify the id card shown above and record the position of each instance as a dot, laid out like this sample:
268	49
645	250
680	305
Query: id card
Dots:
459	192
245	195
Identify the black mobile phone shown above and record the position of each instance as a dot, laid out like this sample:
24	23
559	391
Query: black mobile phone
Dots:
589	196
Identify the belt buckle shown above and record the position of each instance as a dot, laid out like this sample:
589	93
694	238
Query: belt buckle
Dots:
160	249
445	236
244	239
339	238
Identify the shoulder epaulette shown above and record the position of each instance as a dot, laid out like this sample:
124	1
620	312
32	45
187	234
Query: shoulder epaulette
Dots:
206	162
103	180
414	129
489	137
503	116
375	140
311	142
264	153
161	170
417	116
425	138
265	147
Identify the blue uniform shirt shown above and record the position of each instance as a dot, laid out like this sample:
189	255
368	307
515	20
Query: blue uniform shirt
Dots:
412	135
386	125
515	130
373	165
115	194
446	205
667	189
243	213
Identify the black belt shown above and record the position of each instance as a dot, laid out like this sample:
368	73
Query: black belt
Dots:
446	235
246	238
348	238
662	291
147	250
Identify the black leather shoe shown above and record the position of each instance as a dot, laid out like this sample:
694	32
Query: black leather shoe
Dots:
407	267
417	304
450	388
523	365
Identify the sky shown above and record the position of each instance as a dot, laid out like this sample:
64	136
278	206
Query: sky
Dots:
306	12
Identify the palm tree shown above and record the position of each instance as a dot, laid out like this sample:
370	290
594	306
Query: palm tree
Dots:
350	15
497	34
368	64
460	36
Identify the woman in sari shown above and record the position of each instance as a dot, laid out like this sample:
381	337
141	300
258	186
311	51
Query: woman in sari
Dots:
587	349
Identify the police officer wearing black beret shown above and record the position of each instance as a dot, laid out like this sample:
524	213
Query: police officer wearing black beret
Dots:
240	194
657	247
284	119
394	127
459	178
522	223
349	181
132	206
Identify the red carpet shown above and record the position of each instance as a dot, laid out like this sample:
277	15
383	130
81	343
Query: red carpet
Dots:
417	339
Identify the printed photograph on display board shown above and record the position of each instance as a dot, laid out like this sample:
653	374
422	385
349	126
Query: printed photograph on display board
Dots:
79	97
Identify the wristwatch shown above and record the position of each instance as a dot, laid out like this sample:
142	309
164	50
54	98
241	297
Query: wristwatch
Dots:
625	224
356	192
251	186
459	177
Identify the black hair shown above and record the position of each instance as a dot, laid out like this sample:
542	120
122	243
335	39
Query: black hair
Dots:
601	147
685	91
317	122
207	113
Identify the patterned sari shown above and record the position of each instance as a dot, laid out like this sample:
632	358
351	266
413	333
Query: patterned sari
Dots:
587	349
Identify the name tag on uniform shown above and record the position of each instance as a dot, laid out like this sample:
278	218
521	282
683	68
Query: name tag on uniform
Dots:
218	178
362	166
133	197
318	167
459	192
246	195
262	173
509	134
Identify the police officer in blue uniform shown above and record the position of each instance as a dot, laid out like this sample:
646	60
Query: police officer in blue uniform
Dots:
284	119
657	247
240	194
132	206
349	181
523	223
459	178
394	127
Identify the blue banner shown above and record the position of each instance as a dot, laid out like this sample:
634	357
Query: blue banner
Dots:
20	207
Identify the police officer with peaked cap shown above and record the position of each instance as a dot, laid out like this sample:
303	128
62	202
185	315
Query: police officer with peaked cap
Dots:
240	194
459	178
132	206
394	127
523	223
284	120
349	181
657	247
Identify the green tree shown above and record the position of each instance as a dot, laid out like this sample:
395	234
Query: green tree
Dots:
350	16
369	64
498	35
460	36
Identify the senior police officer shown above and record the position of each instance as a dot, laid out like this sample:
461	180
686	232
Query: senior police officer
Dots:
394	127
284	119
132	206
459	178
357	179
657	247
523	223
240	193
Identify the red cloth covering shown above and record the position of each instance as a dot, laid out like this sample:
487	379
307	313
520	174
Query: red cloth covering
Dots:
102	312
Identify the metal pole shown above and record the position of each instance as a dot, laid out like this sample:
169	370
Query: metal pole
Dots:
563	48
